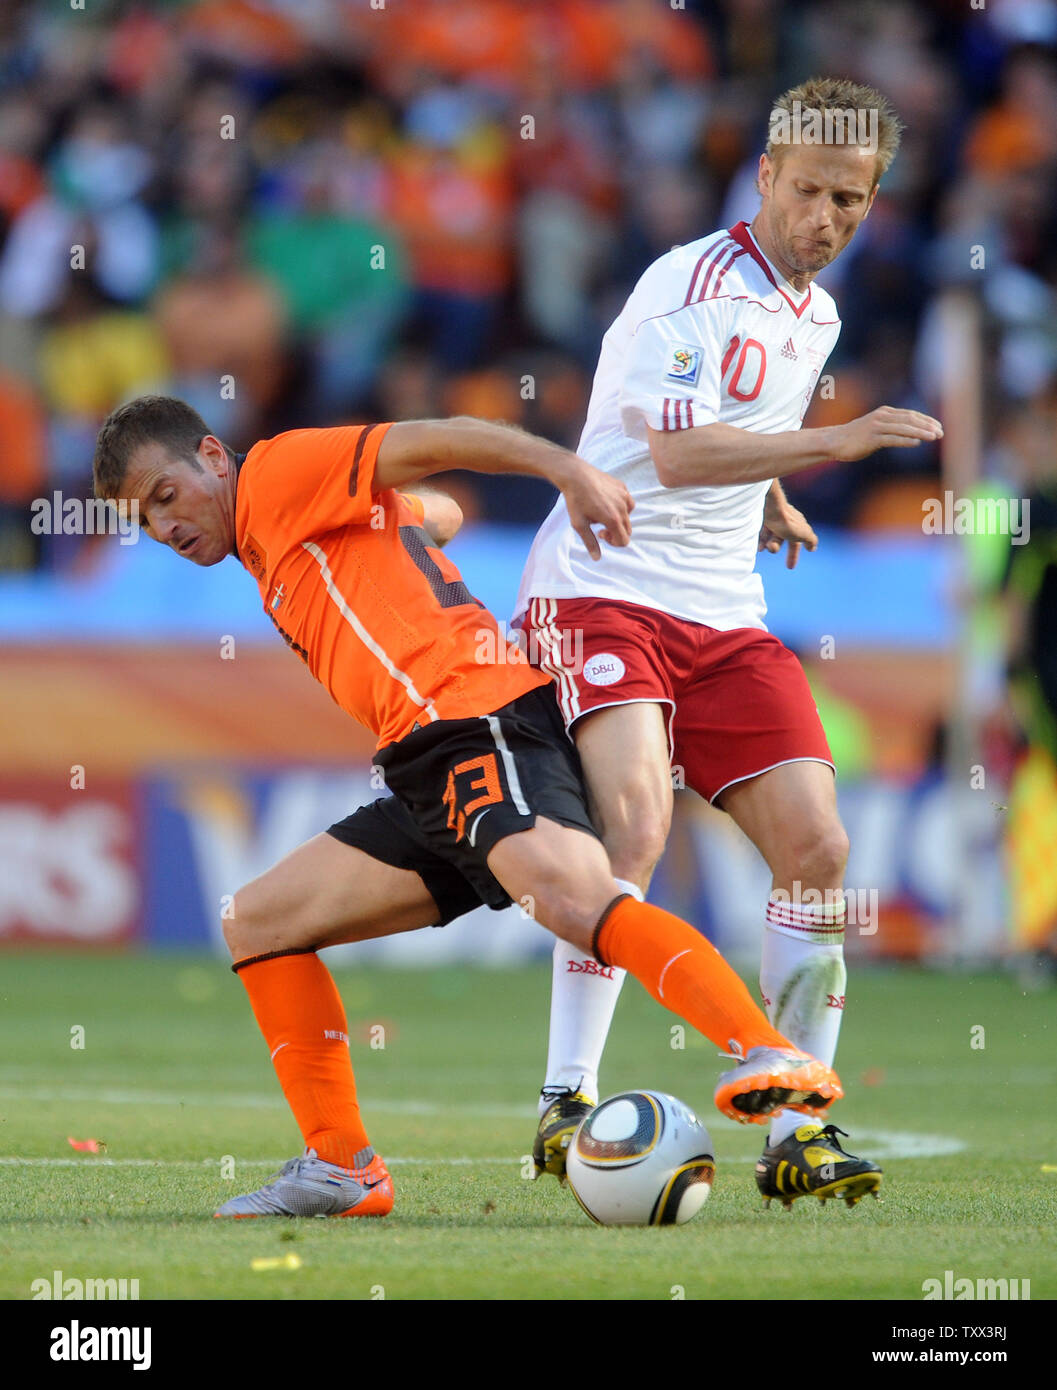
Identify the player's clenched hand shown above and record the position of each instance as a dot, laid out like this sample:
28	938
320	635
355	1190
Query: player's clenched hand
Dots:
595	499
885	428
782	522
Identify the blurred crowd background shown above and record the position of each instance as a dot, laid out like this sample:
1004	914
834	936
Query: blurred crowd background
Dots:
230	168
300	212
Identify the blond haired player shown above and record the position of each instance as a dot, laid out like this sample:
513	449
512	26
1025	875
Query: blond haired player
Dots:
702	383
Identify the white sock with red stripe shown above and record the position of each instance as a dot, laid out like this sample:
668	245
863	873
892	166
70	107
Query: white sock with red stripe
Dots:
802	980
583	997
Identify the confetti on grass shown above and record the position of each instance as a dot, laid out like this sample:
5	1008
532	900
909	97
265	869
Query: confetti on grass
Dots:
87	1146
290	1261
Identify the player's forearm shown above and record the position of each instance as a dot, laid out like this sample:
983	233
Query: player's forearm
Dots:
718	455
416	449
504	449
412	450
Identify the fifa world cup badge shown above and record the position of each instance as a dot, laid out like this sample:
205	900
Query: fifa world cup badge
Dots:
684	364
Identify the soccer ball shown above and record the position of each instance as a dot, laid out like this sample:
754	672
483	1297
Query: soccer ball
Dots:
641	1158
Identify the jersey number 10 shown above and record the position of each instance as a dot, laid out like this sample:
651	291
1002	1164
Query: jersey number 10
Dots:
744	367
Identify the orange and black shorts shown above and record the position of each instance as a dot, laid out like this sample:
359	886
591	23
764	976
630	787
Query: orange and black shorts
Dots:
459	787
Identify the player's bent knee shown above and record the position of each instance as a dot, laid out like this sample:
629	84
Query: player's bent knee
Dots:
817	856
634	853
237	927
253	926
829	853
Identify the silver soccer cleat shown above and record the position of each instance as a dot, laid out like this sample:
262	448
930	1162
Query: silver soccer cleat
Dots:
309	1186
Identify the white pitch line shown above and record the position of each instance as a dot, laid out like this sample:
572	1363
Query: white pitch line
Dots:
242	1100
905	1143
883	1143
886	1145
250	1101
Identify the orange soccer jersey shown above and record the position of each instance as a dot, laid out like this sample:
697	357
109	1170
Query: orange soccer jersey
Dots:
354	584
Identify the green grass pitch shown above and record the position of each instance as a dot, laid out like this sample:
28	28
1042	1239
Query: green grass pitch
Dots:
174	1077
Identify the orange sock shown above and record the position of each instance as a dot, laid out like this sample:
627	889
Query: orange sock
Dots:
300	1013
684	972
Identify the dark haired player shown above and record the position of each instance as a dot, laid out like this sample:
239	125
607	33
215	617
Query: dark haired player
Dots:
487	801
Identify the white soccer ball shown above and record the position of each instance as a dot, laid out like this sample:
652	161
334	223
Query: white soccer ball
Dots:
641	1158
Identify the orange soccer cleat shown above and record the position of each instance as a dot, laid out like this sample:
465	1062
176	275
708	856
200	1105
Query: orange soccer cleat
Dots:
771	1078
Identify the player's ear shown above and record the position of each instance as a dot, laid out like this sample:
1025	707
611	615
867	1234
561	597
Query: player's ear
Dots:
212	453
764	173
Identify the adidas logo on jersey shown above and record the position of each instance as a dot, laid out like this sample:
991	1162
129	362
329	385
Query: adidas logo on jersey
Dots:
789	350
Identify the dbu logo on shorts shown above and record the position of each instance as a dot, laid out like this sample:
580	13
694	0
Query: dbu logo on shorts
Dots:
605	669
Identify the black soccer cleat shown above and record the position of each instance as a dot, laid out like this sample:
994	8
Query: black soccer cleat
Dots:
811	1163
558	1124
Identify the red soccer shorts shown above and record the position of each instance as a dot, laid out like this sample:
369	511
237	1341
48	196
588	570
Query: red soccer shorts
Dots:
740	702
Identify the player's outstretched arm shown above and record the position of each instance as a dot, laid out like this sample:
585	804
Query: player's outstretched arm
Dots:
717	454
416	449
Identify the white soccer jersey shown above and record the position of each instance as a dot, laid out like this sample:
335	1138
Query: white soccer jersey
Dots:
711	332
